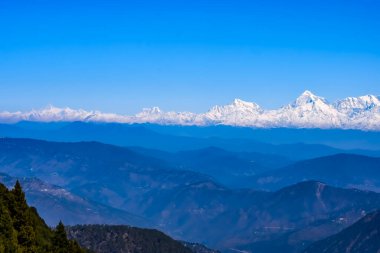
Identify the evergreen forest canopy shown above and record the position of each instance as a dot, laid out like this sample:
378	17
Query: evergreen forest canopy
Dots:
22	230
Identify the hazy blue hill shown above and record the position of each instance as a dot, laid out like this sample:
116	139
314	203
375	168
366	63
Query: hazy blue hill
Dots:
343	170
147	136
363	236
305	198
339	138
72	164
184	204
234	169
108	174
23	230
58	204
309	211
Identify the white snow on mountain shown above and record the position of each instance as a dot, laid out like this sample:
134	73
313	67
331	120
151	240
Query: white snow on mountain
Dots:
237	113
307	111
356	105
52	114
155	115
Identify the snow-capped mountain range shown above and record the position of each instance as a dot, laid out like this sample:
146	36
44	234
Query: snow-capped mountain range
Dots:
307	111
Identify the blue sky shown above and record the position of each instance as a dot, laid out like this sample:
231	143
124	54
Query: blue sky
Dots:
120	56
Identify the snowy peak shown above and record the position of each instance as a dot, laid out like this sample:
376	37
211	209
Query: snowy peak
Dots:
150	111
307	111
55	114
308	94
307	97
236	113
51	113
236	105
367	102
243	104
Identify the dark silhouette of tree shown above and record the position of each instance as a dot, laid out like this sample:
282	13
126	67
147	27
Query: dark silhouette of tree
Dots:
60	242
22	221
19	206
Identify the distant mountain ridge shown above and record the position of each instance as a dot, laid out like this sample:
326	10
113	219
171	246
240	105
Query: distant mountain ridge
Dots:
187	205
232	169
224	137
307	111
340	170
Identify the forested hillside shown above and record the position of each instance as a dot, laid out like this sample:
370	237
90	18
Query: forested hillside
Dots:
23	230
125	239
363	236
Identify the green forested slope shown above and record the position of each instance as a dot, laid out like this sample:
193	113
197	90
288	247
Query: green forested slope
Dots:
23	231
125	239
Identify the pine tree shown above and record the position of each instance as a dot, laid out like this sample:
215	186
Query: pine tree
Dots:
19	193
60	241
19	206
8	241
22	221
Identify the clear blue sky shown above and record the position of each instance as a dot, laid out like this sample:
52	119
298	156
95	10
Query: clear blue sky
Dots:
120	56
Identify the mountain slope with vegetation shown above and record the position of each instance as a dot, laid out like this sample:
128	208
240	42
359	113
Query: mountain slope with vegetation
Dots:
124	239
23	230
56	204
188	205
363	236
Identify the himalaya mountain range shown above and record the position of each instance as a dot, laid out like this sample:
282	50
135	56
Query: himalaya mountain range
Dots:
307	111
232	187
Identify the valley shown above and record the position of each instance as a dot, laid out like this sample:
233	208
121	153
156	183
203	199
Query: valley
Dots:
193	195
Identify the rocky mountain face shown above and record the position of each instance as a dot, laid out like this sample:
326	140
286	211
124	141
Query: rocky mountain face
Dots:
363	236
307	111
187	205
